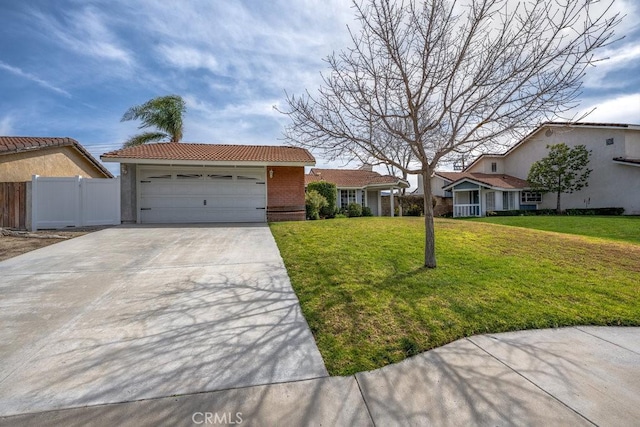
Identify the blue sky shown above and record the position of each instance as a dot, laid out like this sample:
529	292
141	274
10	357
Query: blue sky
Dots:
73	67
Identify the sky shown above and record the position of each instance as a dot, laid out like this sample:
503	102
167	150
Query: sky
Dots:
73	67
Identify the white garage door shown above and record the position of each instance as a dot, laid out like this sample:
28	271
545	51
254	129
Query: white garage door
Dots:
175	195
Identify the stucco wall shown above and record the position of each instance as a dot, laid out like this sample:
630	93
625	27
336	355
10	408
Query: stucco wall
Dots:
285	193
49	162
632	143
610	184
484	165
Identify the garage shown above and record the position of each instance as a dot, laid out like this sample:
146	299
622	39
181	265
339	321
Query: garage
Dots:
181	182
202	194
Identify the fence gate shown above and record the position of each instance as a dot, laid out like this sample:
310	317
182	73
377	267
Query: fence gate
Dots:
74	201
13	204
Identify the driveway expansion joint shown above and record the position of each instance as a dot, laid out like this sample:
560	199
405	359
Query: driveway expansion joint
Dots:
607	341
529	380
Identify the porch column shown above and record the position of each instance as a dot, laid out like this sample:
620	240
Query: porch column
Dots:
379	193
391	201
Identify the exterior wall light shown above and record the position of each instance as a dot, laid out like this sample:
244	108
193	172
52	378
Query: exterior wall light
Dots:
271	173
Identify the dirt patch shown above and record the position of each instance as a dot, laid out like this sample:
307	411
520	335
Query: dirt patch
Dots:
14	243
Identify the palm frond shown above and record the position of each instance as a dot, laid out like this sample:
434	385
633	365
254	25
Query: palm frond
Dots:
163	113
144	138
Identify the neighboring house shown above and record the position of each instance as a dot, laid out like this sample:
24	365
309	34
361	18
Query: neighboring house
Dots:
23	156
495	182
189	183
362	186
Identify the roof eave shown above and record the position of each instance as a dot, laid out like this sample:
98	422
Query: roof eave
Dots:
626	163
202	162
482	184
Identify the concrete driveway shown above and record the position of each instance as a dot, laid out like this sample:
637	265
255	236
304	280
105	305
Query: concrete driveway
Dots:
132	313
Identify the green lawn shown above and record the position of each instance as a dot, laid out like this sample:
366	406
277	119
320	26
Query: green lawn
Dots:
624	228
369	302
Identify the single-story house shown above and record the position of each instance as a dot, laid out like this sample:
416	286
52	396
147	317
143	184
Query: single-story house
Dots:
494	182
24	156
362	186
179	182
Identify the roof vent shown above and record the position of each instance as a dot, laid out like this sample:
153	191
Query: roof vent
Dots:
549	132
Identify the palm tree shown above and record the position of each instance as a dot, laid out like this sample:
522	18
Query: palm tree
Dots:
164	113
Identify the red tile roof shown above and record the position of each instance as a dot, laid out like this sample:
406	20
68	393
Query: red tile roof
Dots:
213	152
353	178
494	180
19	144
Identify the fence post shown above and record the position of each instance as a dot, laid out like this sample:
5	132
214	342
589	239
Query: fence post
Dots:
78	216
34	202
118	220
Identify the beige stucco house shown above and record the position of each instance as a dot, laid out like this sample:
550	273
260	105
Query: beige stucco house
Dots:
495	182
21	157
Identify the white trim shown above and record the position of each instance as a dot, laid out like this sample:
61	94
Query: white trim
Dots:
481	184
164	162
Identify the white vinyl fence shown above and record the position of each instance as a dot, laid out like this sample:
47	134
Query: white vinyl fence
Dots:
74	202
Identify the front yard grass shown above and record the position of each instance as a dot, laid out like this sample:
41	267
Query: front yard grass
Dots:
623	228
369	302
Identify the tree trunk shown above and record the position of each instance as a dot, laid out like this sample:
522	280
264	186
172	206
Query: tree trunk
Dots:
429	233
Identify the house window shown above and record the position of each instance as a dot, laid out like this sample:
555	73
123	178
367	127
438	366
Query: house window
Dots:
494	167
530	197
490	199
509	201
346	197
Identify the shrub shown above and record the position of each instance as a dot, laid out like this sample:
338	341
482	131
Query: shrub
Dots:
539	212
366	211
313	202
596	211
330	193
354	210
340	215
414	210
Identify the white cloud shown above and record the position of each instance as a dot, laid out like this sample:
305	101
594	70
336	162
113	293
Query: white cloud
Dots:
20	73
6	125
620	109
85	32
616	59
186	57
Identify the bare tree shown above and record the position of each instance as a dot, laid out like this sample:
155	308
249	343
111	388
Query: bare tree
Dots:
444	78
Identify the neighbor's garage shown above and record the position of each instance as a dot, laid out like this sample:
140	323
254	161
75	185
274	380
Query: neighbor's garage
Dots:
202	194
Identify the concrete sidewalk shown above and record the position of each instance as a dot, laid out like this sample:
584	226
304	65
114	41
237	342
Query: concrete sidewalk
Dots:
569	376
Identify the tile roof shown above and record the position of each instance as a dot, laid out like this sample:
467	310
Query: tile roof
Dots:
19	144
495	180
213	152
353	178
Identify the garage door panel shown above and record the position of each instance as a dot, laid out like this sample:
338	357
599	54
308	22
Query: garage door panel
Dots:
175	195
181	215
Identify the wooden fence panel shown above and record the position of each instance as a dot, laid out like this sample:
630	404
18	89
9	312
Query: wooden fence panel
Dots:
13	204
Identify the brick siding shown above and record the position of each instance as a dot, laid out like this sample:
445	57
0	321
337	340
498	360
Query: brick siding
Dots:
285	193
